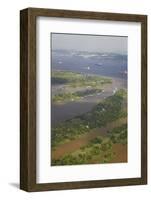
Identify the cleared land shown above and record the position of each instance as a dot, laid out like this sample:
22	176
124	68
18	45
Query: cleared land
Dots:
97	136
76	144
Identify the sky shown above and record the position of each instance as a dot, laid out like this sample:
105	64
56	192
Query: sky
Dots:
92	43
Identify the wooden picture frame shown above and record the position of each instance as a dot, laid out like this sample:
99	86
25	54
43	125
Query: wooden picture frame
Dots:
28	98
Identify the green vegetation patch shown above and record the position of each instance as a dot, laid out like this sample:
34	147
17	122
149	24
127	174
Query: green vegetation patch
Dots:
90	84
77	79
99	148
107	111
119	134
62	97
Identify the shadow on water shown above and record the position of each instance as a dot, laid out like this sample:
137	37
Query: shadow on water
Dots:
63	112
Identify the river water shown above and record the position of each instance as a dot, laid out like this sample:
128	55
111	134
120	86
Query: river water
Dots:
113	66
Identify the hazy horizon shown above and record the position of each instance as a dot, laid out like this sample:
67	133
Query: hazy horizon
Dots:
90	43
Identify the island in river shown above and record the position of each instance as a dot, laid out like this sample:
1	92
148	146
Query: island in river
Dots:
89	118
88	99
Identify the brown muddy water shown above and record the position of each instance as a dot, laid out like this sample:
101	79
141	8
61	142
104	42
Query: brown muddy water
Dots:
74	145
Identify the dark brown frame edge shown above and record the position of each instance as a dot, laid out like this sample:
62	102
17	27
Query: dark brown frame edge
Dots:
28	98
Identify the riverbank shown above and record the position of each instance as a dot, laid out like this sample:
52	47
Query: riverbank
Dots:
76	144
61	112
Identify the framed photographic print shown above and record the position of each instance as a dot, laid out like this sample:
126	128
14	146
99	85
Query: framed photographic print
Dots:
83	93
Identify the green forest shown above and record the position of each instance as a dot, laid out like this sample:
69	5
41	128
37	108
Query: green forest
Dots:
100	148
106	111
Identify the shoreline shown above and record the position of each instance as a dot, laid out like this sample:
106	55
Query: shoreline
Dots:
73	145
63	111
